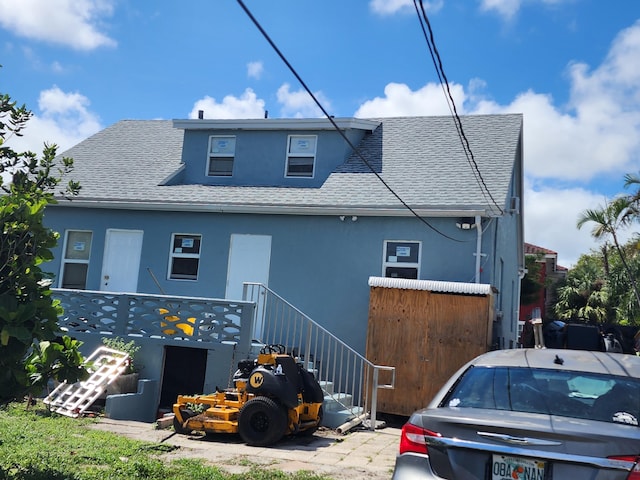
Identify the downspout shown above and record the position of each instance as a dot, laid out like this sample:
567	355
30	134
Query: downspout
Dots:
478	247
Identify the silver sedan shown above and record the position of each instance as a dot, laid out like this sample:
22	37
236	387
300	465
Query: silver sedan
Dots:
521	414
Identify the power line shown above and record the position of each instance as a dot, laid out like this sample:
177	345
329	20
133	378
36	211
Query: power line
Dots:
335	125
444	82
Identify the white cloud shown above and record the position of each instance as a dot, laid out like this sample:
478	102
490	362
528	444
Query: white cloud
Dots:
505	8
248	105
616	80
596	135
570	146
551	216
550	220
299	104
63	118
390	7
296	104
255	69
72	23
400	100
57	67
598	132
508	9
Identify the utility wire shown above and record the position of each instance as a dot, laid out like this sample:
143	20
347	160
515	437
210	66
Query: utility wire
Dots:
335	125
444	82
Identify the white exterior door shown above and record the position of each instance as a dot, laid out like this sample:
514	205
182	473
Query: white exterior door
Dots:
249	260
121	262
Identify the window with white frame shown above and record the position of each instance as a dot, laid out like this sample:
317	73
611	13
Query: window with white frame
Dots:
75	261
184	259
301	155
401	259
222	151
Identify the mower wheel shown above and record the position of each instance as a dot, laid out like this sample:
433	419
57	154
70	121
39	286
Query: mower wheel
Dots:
177	426
262	422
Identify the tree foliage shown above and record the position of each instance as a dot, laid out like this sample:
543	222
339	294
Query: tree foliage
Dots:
603	286
531	286
623	298
607	222
583	296
31	348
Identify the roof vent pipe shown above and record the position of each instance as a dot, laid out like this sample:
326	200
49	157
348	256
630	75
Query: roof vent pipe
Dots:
266	114
200	114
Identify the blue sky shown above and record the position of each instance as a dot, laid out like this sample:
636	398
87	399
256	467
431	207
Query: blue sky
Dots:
572	67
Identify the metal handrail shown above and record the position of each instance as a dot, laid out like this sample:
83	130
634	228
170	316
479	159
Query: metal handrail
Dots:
334	362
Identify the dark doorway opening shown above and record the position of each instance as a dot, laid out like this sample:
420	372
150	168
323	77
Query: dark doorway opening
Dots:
184	370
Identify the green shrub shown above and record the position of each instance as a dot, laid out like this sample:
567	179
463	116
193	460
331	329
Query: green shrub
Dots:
130	348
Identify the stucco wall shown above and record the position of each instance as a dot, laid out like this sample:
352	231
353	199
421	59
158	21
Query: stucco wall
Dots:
320	264
260	157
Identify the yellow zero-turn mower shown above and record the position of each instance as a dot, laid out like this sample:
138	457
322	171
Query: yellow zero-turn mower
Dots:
272	396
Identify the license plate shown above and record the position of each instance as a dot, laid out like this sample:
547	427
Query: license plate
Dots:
516	468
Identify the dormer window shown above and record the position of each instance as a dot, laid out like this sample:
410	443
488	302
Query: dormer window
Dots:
222	151
301	155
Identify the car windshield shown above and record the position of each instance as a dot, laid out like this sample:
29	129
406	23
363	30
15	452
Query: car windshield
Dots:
554	392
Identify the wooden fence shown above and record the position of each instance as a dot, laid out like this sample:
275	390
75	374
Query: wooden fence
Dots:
427	335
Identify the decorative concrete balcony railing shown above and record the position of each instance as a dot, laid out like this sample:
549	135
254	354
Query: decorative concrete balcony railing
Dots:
156	316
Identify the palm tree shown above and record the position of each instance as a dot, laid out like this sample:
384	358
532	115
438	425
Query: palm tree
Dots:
583	299
584	295
629	180
607	222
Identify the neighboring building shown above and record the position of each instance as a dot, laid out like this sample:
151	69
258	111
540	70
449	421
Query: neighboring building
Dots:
550	273
197	207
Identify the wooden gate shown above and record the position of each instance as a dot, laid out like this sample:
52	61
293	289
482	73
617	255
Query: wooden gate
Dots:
427	330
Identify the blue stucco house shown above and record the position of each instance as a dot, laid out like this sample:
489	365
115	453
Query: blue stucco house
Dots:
197	207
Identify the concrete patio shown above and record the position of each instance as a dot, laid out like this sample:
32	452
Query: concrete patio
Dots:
357	455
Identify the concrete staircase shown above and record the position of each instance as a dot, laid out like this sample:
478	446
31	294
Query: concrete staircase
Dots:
338	408
348	379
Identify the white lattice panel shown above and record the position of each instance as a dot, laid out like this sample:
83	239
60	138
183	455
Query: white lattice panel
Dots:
105	365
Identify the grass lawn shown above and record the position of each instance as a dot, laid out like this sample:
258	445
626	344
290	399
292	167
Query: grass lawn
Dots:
38	445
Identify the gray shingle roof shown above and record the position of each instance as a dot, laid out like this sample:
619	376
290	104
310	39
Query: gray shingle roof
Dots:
420	158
